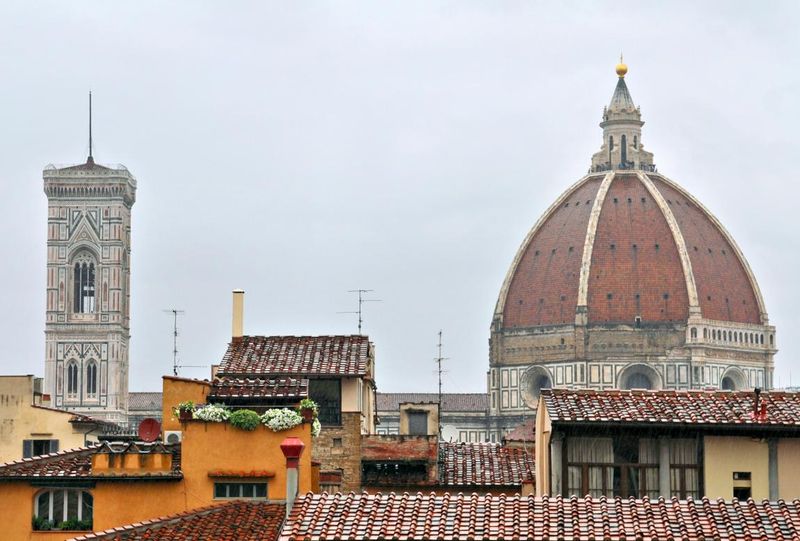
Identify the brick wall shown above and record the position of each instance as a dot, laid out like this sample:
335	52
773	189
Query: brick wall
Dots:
339	448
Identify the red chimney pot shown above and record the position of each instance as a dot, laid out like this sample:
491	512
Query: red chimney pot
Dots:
292	448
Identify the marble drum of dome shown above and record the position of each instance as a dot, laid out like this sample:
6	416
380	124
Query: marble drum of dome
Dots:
627	281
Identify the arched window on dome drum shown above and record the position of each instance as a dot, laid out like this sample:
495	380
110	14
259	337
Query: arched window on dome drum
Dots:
623	148
705	333
72	379
83	284
638	381
694	333
91	379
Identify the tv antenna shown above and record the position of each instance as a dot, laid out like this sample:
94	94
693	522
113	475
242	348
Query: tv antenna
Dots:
361	301
439	361
175	313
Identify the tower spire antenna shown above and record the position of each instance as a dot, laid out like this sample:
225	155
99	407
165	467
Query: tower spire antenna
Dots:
90	159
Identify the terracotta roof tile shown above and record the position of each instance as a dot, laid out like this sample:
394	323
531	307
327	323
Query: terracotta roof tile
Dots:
246	388
240	520
144	401
523	433
297	355
672	407
461	402
483	464
77	463
374	517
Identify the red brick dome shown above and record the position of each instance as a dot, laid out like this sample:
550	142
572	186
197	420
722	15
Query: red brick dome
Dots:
624	247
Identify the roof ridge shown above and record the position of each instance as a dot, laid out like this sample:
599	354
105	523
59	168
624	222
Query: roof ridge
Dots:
62	452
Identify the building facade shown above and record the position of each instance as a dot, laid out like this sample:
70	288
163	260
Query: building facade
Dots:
87	328
463	416
626	281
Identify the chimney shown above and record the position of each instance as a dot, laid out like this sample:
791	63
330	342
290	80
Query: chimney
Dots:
292	448
757	402
238	315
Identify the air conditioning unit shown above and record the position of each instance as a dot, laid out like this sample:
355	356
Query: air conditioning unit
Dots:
173	436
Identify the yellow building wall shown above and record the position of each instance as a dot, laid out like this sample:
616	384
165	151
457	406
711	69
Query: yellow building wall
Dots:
788	468
724	455
176	390
20	420
542	449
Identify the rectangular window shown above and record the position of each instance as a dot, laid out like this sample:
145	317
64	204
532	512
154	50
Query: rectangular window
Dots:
228	491
417	423
327	393
622	466
31	448
683	468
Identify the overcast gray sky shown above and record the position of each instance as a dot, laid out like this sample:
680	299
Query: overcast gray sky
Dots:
301	149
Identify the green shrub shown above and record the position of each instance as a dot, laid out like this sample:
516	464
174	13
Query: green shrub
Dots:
75	524
245	419
41	524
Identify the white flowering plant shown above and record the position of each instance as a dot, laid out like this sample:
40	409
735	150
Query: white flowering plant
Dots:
214	413
278	420
316	428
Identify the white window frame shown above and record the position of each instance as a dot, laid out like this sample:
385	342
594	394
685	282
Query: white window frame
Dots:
49	493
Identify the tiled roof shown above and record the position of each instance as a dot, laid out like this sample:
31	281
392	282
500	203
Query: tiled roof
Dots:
483	464
239	520
144	401
77	463
244	388
672	407
523	432
375	517
297	356
461	402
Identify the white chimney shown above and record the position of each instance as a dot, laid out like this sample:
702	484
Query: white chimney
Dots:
238	315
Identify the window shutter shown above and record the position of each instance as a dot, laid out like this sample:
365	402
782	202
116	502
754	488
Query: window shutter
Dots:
53	446
27	448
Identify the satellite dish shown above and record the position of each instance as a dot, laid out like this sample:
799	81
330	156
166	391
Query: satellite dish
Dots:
149	430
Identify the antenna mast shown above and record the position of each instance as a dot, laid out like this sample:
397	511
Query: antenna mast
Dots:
438	361
361	301
90	159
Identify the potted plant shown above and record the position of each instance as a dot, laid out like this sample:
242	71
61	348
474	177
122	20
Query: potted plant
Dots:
184	411
308	409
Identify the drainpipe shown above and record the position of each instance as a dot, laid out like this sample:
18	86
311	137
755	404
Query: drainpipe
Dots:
772	447
292	449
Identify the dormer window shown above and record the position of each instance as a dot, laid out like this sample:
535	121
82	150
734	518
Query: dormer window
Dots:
83	284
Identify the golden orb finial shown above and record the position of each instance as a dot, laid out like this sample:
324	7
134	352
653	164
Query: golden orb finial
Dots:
622	67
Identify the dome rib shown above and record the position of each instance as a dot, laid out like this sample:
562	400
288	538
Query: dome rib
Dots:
523	248
680	242
763	318
591	233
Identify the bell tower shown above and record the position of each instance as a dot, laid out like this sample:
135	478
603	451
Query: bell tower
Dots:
87	322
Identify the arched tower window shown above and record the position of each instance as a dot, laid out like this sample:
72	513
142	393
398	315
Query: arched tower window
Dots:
72	379
91	379
623	148
83	283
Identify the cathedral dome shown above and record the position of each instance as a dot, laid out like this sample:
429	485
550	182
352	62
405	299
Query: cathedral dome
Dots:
626	281
628	247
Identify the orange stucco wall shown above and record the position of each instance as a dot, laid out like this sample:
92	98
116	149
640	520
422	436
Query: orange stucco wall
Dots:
206	447
177	390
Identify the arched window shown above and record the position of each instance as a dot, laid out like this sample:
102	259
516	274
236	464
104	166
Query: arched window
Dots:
72	379
694	333
728	384
635	141
54	507
610	142
623	146
638	380
83	284
91	379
